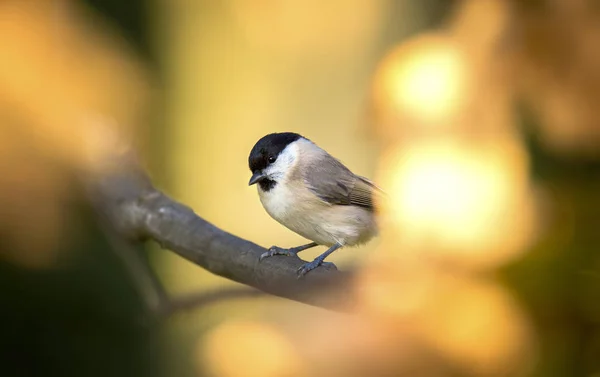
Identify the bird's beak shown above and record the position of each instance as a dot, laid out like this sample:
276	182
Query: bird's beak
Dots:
256	177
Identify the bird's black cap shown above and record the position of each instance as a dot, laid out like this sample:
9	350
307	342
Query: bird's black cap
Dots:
269	146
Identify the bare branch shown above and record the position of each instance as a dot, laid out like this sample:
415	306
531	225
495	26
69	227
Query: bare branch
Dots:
137	210
143	277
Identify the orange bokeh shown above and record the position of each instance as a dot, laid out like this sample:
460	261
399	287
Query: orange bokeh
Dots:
245	348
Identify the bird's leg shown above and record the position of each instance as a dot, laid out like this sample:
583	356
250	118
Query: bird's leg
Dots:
276	250
304	269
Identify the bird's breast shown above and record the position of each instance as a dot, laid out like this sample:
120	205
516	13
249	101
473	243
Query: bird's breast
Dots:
278	202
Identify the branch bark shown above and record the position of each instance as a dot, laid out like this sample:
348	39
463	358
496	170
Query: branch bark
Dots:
128	201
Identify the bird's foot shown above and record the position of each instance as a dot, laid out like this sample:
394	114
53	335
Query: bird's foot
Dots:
276	250
307	267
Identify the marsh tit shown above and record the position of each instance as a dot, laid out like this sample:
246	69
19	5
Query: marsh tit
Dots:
313	194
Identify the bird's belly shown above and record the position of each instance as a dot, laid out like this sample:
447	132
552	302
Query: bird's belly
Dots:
348	225
291	210
319	222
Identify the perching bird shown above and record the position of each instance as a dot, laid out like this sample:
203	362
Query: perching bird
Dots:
310	192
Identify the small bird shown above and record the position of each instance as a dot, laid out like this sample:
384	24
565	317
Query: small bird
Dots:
313	194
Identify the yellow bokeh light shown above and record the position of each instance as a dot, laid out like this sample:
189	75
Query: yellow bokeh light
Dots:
425	80
240	348
440	185
429	83
461	199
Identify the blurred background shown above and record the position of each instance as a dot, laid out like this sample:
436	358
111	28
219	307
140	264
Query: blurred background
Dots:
478	117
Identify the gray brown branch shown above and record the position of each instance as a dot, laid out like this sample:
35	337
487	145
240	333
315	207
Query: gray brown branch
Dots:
138	211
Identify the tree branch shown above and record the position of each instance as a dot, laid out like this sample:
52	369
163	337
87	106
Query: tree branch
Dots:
137	210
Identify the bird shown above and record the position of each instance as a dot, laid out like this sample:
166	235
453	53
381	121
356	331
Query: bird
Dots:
313	194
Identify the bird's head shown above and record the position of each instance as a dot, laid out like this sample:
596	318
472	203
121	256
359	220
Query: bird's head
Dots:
272	158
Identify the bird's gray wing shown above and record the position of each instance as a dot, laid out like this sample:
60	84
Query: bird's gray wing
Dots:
334	183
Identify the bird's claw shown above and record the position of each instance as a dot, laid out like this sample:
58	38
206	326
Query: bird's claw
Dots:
307	267
276	250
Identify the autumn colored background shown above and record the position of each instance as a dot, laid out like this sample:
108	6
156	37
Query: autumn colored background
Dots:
478	117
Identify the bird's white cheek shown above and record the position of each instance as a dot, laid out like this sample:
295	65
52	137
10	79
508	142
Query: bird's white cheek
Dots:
285	163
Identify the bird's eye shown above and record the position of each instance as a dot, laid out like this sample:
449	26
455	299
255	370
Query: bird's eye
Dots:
272	159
